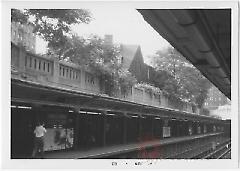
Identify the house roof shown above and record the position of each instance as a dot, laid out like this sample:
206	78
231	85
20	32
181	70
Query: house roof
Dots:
128	52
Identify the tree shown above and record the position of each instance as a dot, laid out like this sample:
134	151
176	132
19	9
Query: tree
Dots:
92	53
126	81
53	25
183	79
19	16
169	60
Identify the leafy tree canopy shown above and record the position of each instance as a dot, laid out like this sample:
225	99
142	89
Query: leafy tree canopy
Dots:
102	59
53	25
183	79
149	88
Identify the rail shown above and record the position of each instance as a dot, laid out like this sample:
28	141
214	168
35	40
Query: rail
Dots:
187	151
207	153
221	149
225	154
195	152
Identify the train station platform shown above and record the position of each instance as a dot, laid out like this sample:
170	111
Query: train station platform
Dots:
102	152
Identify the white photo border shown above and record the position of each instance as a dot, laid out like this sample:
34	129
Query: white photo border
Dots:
9	163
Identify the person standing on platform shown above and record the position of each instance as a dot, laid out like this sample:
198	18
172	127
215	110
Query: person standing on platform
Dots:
38	142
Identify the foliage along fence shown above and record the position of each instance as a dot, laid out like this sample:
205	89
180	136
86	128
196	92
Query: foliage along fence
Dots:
52	72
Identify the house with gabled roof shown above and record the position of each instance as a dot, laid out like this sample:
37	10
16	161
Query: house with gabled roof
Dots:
132	59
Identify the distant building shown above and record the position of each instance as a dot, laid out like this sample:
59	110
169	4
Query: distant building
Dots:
23	35
132	59
108	40
215	99
224	112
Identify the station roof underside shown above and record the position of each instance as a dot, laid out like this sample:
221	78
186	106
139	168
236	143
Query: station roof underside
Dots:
42	95
203	36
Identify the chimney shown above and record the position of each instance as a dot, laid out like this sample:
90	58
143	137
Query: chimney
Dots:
108	40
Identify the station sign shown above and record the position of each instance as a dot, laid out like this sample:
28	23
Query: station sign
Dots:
166	132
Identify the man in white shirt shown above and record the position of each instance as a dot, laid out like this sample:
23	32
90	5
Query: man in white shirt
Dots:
38	144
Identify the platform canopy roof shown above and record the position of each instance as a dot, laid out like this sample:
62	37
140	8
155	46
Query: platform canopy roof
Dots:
203	36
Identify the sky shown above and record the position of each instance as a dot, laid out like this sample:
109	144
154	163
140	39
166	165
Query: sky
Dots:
125	24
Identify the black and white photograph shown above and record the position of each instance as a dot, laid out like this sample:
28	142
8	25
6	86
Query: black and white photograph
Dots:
123	84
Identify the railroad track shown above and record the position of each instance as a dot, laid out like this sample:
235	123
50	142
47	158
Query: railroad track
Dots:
219	152
214	153
184	154
203	151
226	154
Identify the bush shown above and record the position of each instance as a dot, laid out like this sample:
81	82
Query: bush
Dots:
149	88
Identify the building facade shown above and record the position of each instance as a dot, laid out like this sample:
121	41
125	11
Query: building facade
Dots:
223	112
215	98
